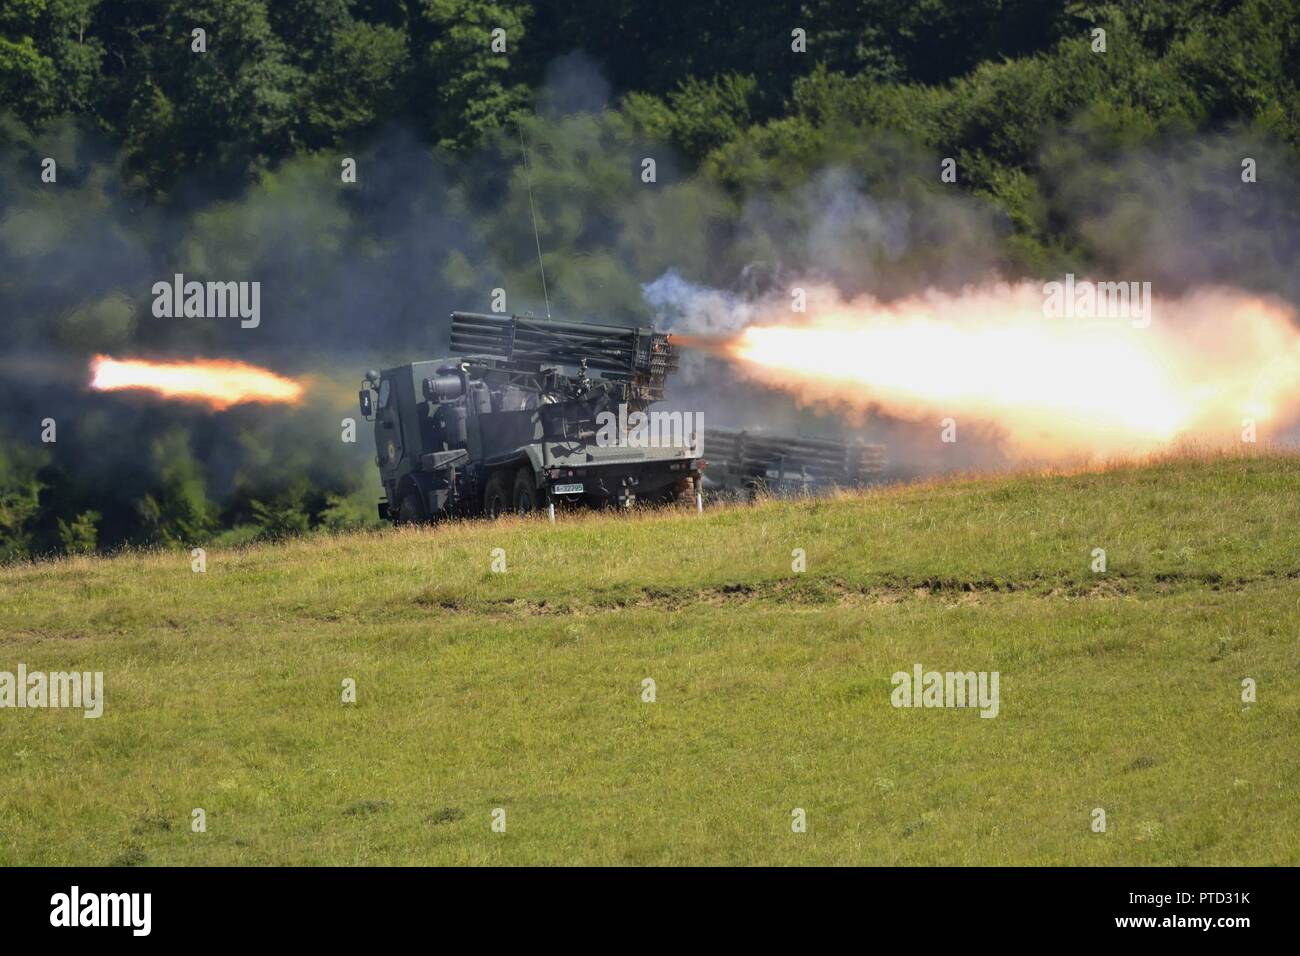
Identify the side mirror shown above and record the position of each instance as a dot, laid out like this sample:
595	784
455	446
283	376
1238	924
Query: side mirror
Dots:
367	407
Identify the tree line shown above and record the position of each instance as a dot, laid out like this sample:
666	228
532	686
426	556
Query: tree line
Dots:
1079	132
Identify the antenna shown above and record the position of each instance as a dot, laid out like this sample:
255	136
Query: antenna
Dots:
528	175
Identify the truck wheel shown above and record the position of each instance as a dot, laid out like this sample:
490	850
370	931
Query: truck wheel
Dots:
411	510
525	492
684	493
496	498
681	494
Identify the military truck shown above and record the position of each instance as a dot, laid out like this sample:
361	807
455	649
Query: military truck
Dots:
745	463
517	419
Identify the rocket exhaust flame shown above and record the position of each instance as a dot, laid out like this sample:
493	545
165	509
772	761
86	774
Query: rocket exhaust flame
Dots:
1208	366
216	383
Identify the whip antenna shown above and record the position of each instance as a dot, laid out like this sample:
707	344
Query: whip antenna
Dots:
528	175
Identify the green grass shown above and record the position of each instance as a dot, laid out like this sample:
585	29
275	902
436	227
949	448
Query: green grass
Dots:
522	690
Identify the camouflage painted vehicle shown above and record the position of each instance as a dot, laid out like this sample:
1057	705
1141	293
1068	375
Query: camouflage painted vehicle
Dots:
745	463
513	421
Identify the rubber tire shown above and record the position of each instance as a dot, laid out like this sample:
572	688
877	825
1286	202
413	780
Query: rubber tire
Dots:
496	496
684	493
525	496
680	494
411	510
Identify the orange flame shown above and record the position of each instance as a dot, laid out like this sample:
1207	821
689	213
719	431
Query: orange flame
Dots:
1208	368
217	383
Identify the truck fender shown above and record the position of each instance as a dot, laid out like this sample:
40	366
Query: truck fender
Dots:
533	459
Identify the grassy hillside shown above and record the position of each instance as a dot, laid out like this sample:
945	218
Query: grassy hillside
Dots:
523	690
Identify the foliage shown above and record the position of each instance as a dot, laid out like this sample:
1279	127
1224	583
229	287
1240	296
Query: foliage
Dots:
78	536
279	519
20	491
179	513
227	162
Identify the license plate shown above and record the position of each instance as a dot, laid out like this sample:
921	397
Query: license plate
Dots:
575	489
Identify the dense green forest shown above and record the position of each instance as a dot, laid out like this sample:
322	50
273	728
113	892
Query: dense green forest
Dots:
788	138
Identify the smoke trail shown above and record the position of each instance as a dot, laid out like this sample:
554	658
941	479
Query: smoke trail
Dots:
1056	386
